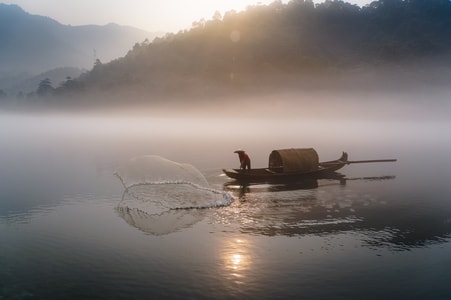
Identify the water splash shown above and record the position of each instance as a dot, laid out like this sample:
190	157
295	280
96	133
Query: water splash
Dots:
154	169
155	185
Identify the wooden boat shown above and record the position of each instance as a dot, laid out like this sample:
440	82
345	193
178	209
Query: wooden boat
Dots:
294	164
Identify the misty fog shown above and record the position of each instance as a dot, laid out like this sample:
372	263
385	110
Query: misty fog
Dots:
372	81
365	125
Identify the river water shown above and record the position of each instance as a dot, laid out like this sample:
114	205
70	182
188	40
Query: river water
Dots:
68	232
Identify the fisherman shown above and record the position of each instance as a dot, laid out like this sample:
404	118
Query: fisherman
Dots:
245	160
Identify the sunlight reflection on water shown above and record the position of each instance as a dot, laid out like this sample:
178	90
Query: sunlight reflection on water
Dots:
59	224
236	256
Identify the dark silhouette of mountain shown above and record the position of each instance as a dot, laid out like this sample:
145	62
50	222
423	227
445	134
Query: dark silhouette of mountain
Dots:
31	44
271	43
298	44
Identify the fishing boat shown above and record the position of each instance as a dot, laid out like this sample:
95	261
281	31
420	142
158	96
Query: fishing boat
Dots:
294	164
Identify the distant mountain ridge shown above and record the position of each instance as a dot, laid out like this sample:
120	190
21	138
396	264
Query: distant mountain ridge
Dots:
34	44
290	45
299	45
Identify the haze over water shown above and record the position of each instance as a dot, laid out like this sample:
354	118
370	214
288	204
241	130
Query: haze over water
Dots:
111	181
381	233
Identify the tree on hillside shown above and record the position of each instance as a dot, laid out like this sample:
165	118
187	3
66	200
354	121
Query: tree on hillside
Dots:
45	88
296	38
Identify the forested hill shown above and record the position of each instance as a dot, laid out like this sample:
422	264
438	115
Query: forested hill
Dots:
298	38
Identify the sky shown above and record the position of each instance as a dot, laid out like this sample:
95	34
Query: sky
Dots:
150	15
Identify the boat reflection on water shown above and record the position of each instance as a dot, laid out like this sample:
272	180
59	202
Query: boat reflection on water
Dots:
243	189
368	208
277	186
335	178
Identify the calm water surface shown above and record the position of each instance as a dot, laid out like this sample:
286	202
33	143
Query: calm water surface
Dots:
382	233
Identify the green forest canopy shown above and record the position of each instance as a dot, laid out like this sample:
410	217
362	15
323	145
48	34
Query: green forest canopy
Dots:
296	38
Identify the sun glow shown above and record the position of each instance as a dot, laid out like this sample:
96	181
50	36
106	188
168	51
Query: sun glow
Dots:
150	15
237	260
182	14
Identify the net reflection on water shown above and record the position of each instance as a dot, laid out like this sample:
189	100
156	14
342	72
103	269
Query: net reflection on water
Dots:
163	196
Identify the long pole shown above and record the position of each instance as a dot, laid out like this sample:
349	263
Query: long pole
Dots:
369	161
